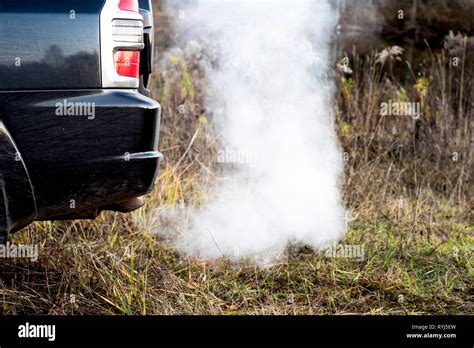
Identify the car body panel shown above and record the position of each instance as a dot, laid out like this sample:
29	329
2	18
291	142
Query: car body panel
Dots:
49	44
84	160
17	198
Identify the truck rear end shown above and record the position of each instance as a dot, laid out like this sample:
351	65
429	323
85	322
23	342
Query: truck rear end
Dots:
78	131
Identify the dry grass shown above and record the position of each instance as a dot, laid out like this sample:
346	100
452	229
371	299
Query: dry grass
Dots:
408	200
110	266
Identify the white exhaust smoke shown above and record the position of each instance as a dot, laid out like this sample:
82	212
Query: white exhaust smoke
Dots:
272	100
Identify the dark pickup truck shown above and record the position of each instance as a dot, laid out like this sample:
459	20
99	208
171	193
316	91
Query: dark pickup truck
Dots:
78	131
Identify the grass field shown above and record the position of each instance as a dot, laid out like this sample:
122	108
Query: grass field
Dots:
406	186
85	268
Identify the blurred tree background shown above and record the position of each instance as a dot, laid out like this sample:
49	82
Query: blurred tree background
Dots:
416	25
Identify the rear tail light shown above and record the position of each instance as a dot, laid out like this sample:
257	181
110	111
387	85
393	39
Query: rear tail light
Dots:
121	28
127	63
124	31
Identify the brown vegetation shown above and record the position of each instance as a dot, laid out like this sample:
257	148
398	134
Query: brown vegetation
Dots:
407	187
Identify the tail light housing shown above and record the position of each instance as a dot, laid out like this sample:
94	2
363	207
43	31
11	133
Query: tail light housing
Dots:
121	30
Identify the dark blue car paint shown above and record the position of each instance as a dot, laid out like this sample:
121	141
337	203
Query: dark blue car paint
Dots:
48	44
54	165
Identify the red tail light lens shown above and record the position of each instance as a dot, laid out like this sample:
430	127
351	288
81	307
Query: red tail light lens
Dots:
129	5
127	63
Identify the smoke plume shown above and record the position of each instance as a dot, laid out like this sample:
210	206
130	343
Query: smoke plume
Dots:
271	99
